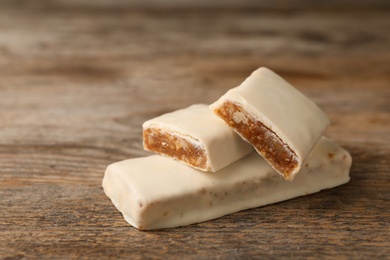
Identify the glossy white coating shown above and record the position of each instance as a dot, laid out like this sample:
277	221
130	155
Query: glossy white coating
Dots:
157	192
268	98
202	128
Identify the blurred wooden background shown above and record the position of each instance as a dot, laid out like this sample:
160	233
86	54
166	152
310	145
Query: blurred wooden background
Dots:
78	79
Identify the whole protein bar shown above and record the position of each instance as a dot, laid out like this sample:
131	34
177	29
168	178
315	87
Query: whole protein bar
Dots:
156	192
280	122
196	137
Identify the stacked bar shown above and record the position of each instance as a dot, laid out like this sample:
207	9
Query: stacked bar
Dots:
196	137
157	192
279	121
205	171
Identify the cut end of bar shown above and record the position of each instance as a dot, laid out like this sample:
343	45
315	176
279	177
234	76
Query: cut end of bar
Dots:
266	142
176	147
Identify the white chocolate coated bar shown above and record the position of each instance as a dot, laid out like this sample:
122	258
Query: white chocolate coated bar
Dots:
279	121
156	192
196	137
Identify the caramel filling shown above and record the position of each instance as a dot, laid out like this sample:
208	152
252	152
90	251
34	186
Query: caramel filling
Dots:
176	147
265	141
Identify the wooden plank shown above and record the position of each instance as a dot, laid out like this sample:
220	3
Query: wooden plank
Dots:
77	83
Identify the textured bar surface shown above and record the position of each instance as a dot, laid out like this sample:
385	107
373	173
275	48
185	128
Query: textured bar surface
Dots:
267	143
196	137
155	192
280	122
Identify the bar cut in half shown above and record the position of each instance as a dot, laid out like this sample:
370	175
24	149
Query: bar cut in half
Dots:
156	192
280	122
196	137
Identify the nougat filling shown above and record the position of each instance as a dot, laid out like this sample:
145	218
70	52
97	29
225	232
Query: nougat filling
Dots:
181	148
265	141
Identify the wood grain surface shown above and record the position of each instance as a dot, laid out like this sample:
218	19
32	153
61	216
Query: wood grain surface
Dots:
78	80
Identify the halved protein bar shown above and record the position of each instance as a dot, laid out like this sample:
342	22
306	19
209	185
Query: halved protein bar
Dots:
156	192
280	122
196	137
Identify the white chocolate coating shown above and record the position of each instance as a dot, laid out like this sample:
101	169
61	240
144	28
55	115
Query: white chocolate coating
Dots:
156	192
200	127
293	117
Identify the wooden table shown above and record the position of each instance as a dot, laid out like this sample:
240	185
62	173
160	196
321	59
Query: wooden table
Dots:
78	80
